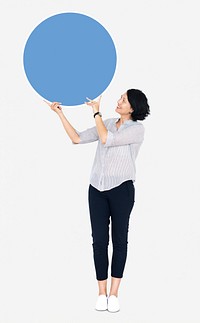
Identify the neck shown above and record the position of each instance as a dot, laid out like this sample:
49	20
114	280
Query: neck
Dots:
124	118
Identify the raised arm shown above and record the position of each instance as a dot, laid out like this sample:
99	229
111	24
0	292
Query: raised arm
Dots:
69	129
55	106
100	126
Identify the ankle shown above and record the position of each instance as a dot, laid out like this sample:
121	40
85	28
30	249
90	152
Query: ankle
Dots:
113	294
102	293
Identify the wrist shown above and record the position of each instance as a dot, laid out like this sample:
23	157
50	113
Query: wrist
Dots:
95	110
97	113
59	113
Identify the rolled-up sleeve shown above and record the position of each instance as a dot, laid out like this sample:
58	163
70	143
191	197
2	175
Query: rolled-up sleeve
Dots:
88	135
130	135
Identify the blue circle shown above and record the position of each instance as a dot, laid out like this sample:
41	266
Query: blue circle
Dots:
69	57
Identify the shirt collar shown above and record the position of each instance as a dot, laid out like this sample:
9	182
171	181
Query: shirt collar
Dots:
125	122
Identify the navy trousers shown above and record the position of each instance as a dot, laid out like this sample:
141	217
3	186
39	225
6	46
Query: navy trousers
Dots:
116	205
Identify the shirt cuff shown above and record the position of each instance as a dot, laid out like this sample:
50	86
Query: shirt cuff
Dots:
109	139
78	133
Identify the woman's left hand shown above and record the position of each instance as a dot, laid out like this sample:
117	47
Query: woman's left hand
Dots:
94	104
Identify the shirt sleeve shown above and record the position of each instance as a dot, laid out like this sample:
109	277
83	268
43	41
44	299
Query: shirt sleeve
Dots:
88	135
129	135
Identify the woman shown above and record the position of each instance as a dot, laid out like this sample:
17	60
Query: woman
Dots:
111	190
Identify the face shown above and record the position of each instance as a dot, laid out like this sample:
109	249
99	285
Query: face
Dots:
123	106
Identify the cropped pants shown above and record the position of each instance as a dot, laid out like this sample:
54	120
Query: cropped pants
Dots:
116	205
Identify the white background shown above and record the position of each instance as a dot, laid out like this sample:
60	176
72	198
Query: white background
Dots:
46	265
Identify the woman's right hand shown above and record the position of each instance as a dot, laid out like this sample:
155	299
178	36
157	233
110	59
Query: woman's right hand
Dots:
55	106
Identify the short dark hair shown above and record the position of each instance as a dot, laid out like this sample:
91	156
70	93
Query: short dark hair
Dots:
139	103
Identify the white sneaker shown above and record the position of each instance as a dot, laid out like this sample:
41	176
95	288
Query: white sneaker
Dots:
102	303
113	304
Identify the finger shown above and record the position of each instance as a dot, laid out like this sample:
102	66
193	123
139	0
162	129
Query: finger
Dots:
89	99
56	103
47	102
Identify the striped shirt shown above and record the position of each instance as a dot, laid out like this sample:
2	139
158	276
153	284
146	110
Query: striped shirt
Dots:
114	161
